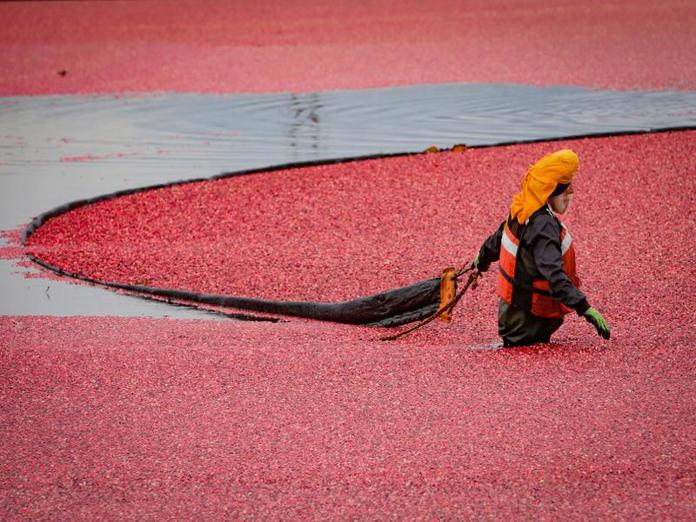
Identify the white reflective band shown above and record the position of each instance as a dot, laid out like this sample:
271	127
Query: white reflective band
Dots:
567	240
509	245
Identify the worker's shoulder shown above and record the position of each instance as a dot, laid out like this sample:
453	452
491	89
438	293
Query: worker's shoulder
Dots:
544	221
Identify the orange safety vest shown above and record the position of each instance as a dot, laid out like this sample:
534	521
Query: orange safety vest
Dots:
512	289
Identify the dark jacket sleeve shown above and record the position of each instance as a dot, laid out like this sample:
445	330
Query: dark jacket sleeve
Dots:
544	240
490	250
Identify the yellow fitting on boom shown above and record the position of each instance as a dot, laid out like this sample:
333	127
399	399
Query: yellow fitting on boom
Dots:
448	289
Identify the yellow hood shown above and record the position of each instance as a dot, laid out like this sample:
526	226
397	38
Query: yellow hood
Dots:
541	180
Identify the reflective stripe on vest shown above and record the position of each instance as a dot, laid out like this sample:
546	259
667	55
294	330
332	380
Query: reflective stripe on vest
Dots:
510	244
566	241
507	264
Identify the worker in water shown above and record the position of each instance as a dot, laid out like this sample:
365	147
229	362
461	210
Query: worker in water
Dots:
537	283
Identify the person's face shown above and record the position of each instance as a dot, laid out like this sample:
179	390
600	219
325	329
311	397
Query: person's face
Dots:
560	203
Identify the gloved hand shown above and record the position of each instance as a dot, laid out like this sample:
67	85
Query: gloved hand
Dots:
594	317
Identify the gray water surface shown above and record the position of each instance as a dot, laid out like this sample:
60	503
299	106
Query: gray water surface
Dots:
56	149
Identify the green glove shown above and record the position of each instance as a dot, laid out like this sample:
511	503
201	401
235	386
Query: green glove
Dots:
594	317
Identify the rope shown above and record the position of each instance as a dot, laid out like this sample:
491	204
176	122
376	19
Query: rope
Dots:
463	270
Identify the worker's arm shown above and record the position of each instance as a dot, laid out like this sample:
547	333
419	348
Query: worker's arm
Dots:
544	241
546	247
490	250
